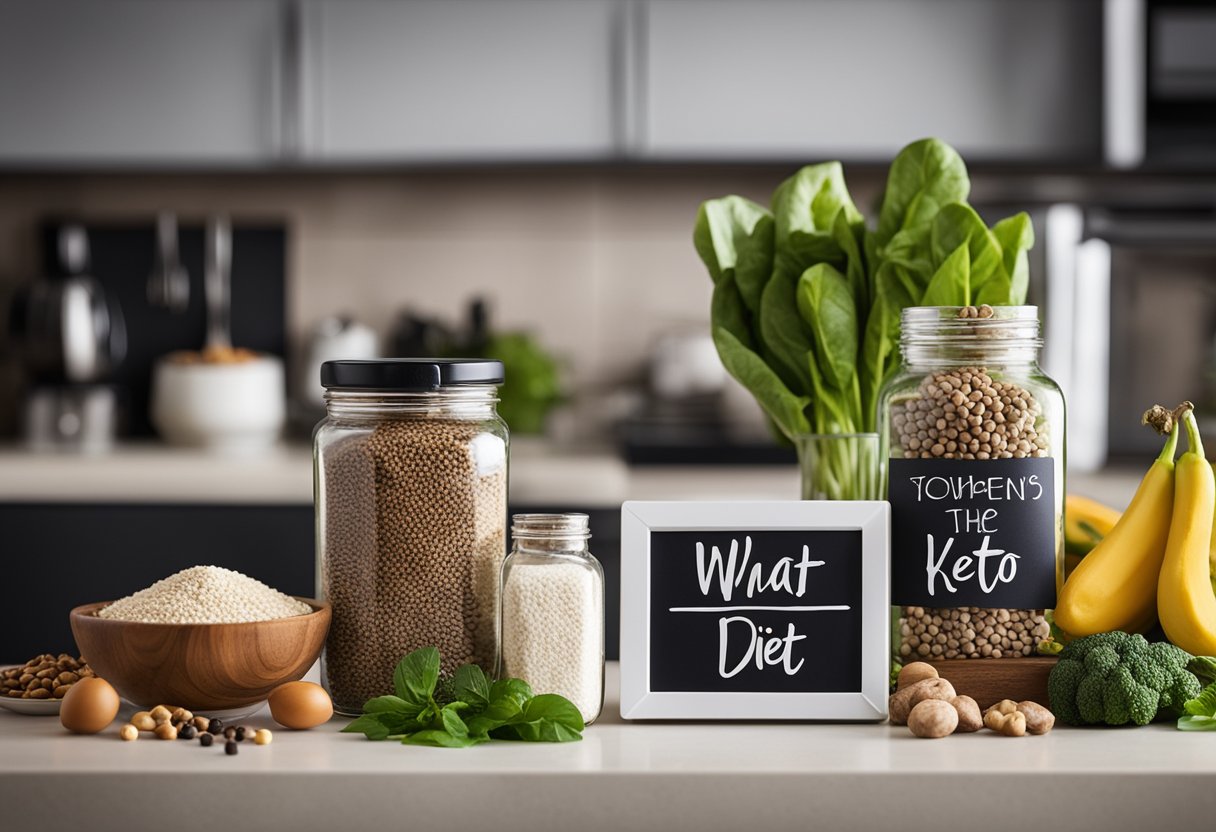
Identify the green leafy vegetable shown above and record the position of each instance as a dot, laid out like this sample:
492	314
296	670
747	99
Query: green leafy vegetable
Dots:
420	714
807	300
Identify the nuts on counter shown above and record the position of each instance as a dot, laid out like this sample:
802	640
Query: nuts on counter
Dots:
933	718
970	719
914	672
143	721
128	732
1010	723
205	740
903	701
1039	720
263	737
160	714
44	677
166	731
89	706
230	747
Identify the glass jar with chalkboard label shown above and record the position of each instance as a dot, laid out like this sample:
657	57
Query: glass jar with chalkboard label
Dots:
973	435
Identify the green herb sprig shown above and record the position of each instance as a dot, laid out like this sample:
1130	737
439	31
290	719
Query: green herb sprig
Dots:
463	710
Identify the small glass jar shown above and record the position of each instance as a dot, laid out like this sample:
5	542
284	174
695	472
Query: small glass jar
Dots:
973	434
410	478
553	610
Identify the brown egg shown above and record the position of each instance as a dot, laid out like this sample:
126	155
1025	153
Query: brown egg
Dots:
90	706
300	705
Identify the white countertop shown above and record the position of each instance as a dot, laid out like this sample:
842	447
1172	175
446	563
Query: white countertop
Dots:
540	476
622	776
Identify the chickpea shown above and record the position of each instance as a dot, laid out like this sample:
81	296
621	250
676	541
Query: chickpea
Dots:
128	732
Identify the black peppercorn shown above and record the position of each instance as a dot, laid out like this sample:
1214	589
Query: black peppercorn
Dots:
205	740
186	732
240	733
214	726
230	747
230	732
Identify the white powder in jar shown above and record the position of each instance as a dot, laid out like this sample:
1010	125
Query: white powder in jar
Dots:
553	632
205	595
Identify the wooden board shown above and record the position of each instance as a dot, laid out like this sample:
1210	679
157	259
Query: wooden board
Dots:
988	681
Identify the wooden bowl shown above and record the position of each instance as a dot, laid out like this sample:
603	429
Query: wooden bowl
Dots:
200	667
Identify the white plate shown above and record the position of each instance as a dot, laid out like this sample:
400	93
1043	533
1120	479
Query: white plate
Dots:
32	707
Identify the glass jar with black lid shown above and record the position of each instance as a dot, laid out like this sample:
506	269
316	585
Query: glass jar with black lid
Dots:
410	479
973	436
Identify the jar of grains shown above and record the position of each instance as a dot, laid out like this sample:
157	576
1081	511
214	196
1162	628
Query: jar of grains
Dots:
973	433
553	610
411	504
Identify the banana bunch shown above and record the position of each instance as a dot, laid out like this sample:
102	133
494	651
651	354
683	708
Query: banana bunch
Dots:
1158	560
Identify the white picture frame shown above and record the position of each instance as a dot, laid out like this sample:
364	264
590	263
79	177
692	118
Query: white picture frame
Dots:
639	519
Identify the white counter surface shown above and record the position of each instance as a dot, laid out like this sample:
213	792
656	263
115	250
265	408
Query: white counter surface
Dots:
622	776
540	476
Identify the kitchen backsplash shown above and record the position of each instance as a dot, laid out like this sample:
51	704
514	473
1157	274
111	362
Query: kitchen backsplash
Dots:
597	262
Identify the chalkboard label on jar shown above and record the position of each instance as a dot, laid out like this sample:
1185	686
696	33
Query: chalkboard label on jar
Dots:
973	533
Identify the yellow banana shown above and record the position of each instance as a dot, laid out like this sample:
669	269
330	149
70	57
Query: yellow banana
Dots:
1086	522
1185	601
1115	586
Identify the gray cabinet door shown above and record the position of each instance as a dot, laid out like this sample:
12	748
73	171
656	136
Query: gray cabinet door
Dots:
858	79
441	80
139	81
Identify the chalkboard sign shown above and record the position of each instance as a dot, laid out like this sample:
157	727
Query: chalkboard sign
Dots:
973	533
774	610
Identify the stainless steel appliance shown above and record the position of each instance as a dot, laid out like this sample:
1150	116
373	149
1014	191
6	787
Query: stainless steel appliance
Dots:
1160	83
1131	299
71	337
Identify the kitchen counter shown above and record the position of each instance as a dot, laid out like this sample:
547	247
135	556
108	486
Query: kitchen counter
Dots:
632	776
541	475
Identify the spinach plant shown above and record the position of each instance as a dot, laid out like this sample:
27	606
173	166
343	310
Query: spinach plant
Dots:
463	710
807	296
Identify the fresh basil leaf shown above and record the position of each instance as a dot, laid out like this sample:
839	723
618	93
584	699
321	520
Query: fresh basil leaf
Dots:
734	237
826	303
546	718
880	345
925	176
471	685
369	725
1016	237
1197	723
784	334
452	723
516	689
416	676
805	208
951	286
787	410
437	738
387	703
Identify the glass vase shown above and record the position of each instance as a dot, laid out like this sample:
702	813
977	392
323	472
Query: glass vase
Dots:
840	466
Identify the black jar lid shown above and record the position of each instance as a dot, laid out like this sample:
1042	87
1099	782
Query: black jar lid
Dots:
410	373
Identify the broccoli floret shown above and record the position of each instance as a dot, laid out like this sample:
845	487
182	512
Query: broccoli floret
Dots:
1116	678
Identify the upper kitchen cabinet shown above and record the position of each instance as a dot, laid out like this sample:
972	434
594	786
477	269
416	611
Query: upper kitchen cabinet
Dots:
132	82
454	80
858	79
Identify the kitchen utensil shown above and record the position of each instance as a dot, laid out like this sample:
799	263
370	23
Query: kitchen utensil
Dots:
234	408
202	667
217	284
67	329
169	283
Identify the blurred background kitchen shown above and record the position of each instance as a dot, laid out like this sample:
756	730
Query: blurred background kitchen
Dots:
285	181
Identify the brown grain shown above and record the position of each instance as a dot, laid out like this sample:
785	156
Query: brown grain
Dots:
415	536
